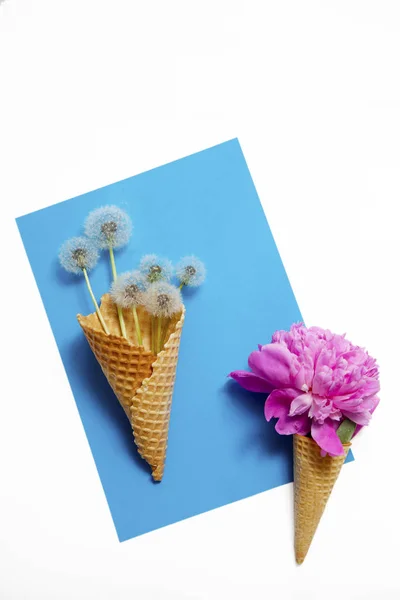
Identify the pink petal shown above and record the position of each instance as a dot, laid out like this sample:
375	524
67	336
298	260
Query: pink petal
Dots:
371	403
322	381
278	403
303	377
251	382
374	401
300	424
371	388
273	363
348	402
300	404
361	418
326	437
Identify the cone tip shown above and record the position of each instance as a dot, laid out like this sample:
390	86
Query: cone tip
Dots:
158	473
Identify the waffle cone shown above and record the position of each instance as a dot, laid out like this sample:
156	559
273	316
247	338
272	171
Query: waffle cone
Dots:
314	478
142	381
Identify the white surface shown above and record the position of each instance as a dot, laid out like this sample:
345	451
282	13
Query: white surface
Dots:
93	91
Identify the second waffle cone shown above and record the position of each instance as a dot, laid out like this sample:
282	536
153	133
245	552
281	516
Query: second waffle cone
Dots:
314	478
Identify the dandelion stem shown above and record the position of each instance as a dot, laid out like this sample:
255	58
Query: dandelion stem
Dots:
159	330
100	316
153	334
137	326
181	286
112	260
164	331
121	321
119	309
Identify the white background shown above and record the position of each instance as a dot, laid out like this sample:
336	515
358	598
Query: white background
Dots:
93	91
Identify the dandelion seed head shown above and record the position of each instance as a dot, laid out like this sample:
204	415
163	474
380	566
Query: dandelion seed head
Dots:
162	299
79	256
155	268
108	226
128	289
191	271
78	253
109	229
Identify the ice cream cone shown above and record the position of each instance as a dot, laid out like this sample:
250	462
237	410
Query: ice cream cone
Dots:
142	381
314	478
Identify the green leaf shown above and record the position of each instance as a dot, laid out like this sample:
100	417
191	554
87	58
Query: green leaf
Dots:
346	430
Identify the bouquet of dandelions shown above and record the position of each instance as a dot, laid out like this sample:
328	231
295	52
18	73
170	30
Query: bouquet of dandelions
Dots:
322	389
135	332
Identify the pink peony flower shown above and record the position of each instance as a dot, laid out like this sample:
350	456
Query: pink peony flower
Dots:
315	379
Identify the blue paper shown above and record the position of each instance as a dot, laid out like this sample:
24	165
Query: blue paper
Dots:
220	447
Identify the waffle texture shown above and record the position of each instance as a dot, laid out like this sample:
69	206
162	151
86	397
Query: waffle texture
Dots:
314	478
151	406
142	382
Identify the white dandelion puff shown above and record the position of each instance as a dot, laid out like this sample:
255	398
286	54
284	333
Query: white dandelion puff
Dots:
190	271
155	268
78	253
162	299
108	227
127	290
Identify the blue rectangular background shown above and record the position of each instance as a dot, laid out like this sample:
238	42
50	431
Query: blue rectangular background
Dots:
220	447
